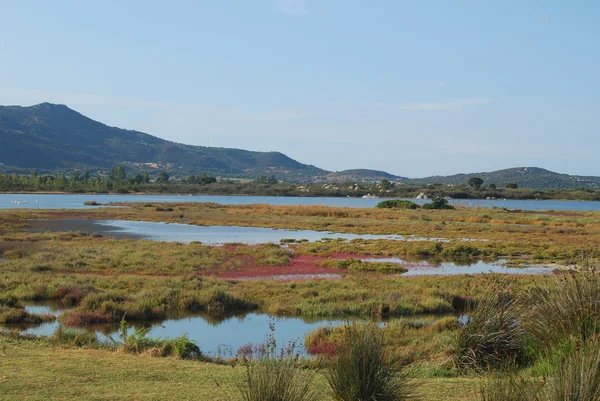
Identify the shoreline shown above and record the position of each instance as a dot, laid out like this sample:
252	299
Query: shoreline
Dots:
284	196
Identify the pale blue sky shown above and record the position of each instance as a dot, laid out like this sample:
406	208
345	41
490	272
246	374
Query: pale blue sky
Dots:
411	87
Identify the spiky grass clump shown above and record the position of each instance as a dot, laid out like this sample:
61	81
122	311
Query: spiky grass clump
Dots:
493	337
577	376
362	369
270	374
570	309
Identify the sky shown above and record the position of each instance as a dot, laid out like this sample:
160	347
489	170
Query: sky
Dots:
414	88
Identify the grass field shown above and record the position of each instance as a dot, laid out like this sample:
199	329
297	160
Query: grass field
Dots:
33	370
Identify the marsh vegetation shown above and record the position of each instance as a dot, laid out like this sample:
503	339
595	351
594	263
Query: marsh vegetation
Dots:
493	333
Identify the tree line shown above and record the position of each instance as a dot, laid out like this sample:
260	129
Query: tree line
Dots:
117	180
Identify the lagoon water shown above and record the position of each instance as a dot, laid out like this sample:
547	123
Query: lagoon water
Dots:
175	232
71	201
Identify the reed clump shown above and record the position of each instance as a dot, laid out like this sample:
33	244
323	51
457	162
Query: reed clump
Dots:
494	337
362	369
272	374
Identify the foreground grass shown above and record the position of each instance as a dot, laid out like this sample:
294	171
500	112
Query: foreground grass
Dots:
36	370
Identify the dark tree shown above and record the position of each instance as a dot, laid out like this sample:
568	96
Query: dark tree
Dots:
162	177
385	184
118	173
475	182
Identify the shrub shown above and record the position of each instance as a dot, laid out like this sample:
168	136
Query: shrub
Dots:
362	370
221	302
181	347
397	204
437	202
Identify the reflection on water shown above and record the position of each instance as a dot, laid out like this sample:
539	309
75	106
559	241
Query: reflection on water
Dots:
175	232
424	268
215	336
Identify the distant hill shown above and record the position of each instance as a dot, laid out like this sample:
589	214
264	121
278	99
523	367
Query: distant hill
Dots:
49	138
360	175
53	138
524	177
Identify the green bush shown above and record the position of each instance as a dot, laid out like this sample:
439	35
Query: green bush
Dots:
397	204
438	202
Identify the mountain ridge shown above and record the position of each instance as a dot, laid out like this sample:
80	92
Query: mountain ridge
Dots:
49	137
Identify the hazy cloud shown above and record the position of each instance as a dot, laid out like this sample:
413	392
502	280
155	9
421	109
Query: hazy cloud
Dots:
451	104
292	7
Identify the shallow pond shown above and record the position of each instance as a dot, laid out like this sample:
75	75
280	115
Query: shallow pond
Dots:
424	268
75	201
214	336
175	232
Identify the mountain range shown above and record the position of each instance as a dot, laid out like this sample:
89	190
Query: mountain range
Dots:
54	138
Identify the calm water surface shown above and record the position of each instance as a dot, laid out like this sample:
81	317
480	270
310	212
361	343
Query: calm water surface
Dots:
42	201
175	232
214	337
424	268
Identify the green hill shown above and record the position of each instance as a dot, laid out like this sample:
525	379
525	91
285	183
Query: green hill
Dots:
524	177
361	175
50	138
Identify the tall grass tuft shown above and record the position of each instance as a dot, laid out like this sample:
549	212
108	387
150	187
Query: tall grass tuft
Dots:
272	374
132	343
577	376
362	369
493	337
570	309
